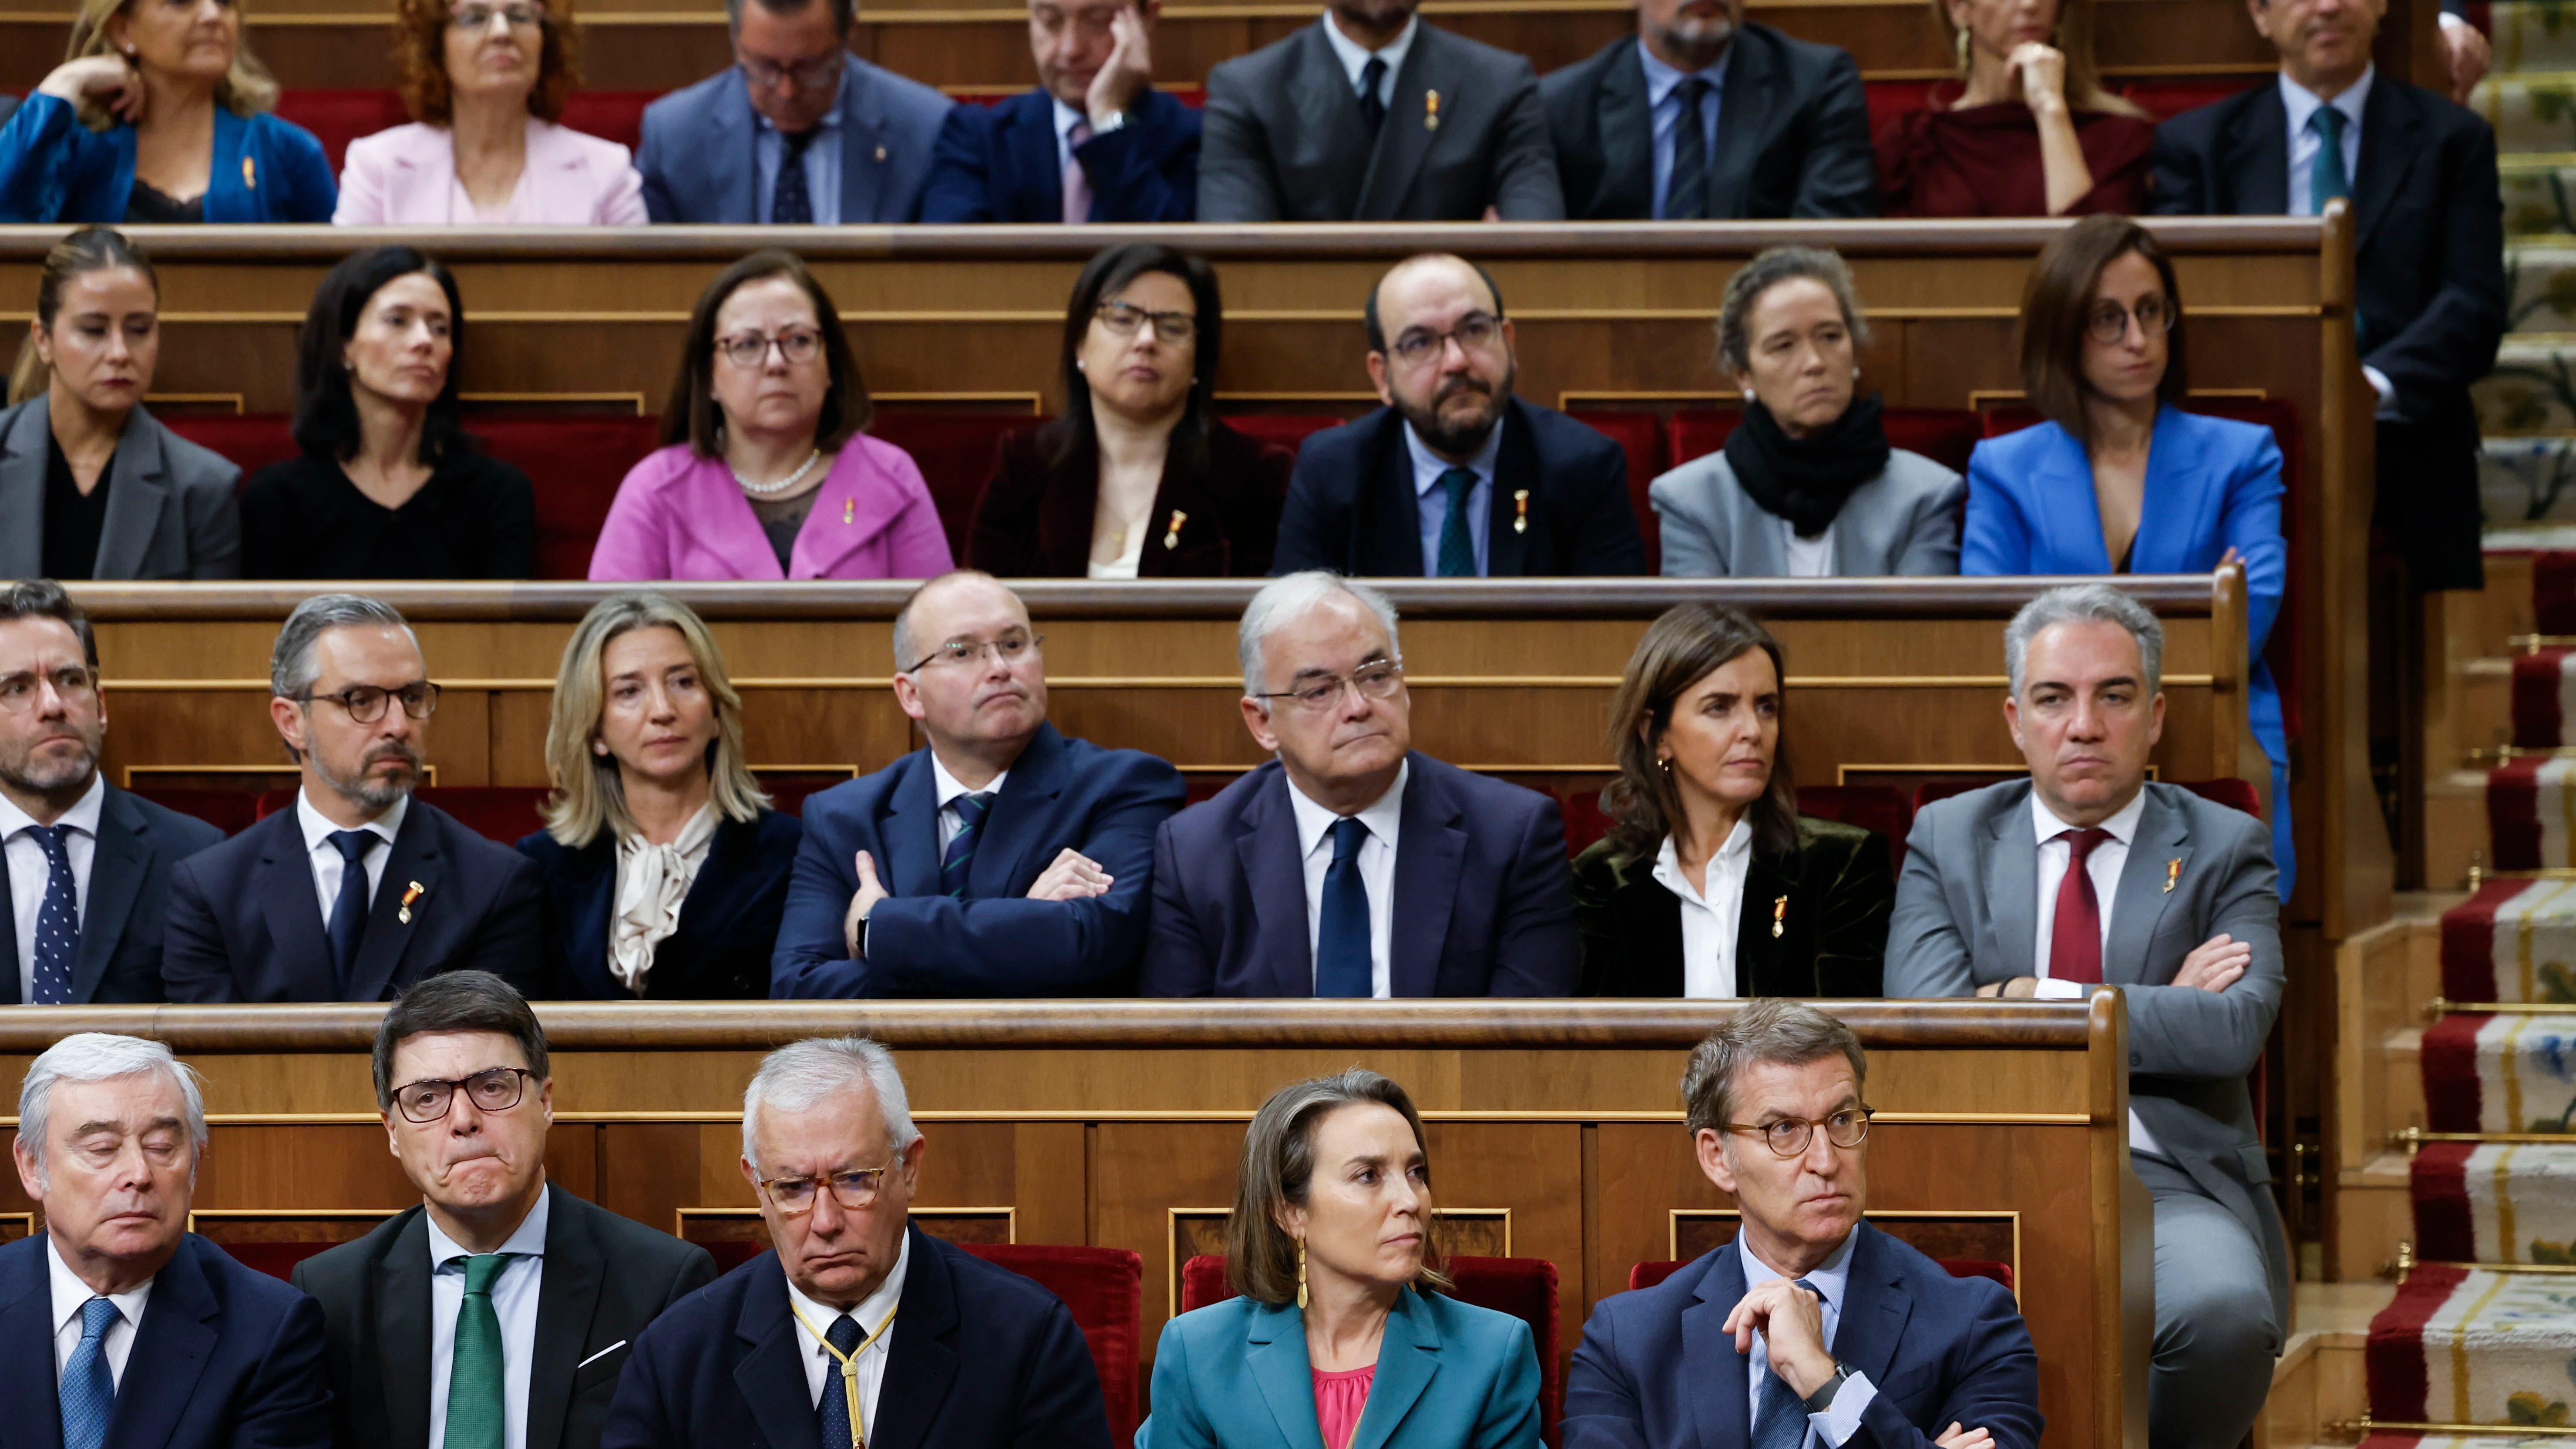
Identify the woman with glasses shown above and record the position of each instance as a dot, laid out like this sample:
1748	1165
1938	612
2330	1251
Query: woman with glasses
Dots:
1343	1328
2119	479
485	82
387	486
1138	478
1711	884
766	472
663	866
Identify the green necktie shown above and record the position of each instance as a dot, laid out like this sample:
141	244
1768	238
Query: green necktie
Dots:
2327	180
1457	545
475	1407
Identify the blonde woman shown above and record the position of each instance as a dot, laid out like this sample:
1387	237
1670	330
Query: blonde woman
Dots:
158	114
664	871
2027	131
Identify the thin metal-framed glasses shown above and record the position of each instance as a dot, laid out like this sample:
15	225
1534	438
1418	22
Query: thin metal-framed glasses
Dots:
1373	681
366	702
1789	1136
520	14
963	653
74	682
1121	319
853	1190
496	1090
1474	333
751	350
820	73
2109	322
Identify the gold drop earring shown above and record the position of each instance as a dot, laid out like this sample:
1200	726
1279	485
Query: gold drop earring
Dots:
1301	1274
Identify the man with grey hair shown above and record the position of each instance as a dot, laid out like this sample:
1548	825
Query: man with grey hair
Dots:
1353	865
148	1329
2087	874
360	890
858	1327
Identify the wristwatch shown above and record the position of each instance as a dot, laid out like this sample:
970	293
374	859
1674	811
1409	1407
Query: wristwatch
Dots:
1117	122
1823	1398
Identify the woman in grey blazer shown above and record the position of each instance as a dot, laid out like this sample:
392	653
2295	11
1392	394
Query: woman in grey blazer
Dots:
94	488
1807	485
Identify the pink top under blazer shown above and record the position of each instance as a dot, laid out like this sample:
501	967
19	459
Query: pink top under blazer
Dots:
407	177
680	516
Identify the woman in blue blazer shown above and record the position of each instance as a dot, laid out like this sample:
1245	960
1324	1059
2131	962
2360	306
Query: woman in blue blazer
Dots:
2120	479
1344	1336
664	875
141	83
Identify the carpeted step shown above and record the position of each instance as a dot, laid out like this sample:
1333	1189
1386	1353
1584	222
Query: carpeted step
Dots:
2515	940
2495	1202
2524	481
2540	274
2539	195
2531	111
2531	817
2533	387
2544	699
2460	1346
2532	35
2506	1073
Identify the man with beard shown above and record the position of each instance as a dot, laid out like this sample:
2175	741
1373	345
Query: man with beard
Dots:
1002	859
88	865
1455	477
1706	117
360	890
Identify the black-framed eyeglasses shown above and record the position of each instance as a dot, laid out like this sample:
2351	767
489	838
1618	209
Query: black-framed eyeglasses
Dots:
853	1190
495	1090
751	350
1373	681
820	73
366	702
1789	1136
1474	332
2109	322
962	653
74	682
1122	319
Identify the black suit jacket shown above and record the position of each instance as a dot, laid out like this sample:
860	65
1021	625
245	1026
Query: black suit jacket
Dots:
245	924
605	1278
1792	133
728	923
1833	932
983	1358
998	163
1285	141
1351	502
1035	519
129	895
2429	281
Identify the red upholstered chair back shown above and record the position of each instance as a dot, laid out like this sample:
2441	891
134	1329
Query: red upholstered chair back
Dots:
610	115
230	811
1585	820
956	453
1105	1289
1647	1275
2161	99
1641	437
576	462
1284	430
1944	435
272	801
277	1260
2226	792
1933	790
501	813
249	442
338	117
1879	808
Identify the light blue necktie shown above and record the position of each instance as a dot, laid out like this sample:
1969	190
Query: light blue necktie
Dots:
57	920
1782	1420
88	1394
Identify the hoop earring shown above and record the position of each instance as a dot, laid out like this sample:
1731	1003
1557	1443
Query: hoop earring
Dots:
1301	1274
1963	50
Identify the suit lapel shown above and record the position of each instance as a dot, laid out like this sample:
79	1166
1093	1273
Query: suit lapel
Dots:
909	860
1328	108
1403	140
27	1348
567	1298
922	1365
1430	849
2257	156
115	875
134	497
590	879
415	861
401	1283
2138	903
1875	1308
297	934
1033	152
1275	1346
1649	921
1390	542
1744	106
771	1373
2392	125
2012	886
171	1346
1011	826
1275	871
9	943
23	452
733	149
1758	953
1507	537
863	149
1720	1401
2180	509
1408	1359
1628	185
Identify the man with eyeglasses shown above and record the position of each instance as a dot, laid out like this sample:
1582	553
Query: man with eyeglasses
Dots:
359	890
1001	859
1455	477
798	132
1353	865
87	864
1810	1329
498	1313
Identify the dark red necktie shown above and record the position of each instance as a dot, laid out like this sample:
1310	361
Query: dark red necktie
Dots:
2075	938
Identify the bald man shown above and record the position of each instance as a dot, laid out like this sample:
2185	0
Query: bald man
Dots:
1454	477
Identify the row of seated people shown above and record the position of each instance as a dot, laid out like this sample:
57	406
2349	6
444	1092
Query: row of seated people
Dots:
535	1319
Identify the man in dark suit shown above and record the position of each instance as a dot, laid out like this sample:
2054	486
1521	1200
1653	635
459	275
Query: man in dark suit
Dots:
1850	1331
1371	115
802	1345
798	130
360	890
119	1328
1706	117
1001	860
1094	142
1351	864
425	1350
87	865
1455	477
2085	874
2428	223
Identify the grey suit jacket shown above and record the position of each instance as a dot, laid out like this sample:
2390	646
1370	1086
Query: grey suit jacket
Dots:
698	158
1284	140
1904	521
1967	912
170	511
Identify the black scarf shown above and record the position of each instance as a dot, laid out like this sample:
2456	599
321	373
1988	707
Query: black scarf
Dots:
1805	480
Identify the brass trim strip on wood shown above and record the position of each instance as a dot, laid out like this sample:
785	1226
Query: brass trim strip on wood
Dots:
1178	681
1179	1114
2440	1007
2366	1426
634	399
428	772
1034	402
2558	1268
1010	1217
183	399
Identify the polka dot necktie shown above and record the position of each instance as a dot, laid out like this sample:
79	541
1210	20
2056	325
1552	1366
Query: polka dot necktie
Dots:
791	201
88	1391
57	920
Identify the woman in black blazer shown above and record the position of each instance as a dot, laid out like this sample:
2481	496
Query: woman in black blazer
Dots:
664	870
1711	884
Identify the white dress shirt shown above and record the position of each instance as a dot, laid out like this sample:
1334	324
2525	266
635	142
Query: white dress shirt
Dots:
2104	866
69	1294
946	787
1841	1418
822	1370
1710	922
2302	105
514	1302
1377	871
28	870
326	858
1431	501
1355	57
1808	558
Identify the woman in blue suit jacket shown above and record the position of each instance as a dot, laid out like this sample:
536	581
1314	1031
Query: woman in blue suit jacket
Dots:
2119	471
664	876
1344	1336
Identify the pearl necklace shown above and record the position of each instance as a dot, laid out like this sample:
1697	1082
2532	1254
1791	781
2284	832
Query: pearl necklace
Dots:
764	490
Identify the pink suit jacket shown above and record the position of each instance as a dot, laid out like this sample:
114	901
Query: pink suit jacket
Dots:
680	516
407	177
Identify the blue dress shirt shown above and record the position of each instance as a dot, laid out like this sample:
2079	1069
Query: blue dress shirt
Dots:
1431	501
1840	1419
2302	104
822	159
1664	104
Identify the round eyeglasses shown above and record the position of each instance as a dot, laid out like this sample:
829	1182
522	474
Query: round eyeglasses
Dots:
853	1190
1789	1136
2109	322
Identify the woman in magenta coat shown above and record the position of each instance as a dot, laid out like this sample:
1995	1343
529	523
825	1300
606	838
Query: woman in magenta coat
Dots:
766	474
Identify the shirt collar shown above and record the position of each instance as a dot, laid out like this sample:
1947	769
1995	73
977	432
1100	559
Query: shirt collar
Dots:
1829	1276
1730	857
1355	57
1382	816
946	787
1066	118
2302	103
1428	465
70	1292
2123	824
529	1241
83	816
871	1311
318	827
1661	78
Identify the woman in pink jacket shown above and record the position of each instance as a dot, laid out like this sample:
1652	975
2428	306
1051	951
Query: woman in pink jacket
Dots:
767	475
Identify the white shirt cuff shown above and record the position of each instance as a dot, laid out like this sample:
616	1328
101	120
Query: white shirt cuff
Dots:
1841	1418
2052	989
2387	390
2451	21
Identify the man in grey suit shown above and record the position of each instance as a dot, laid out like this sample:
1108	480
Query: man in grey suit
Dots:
1371	115
799	131
2169	897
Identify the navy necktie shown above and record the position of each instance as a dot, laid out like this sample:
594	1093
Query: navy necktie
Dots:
791	203
1342	962
1372	106
1781	1422
1686	194
349	913
1457	545
88	1392
960	856
835	1408
57	920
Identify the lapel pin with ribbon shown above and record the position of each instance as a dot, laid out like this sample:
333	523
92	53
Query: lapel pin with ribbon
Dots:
1779	915
409	895
1520	507
250	175
1431	110
2173	873
849	510
1172	530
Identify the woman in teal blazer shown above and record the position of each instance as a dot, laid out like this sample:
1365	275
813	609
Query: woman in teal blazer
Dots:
1345	1337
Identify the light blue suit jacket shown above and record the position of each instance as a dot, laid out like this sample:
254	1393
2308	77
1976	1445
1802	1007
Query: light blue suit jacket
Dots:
699	163
1234	1375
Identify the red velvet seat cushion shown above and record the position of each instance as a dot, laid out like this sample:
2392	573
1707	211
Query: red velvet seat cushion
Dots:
1284	430
610	115
1105	1289
230	811
249	442
956	453
575	462
1641	437
277	1260
500	813
338	117
1882	809
1647	1275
